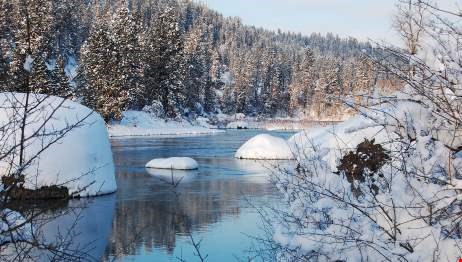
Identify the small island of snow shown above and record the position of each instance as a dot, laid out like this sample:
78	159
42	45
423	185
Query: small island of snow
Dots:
179	163
265	147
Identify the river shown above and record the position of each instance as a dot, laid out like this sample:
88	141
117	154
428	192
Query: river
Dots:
148	219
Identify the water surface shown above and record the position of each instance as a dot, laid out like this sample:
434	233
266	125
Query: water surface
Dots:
148	219
153	221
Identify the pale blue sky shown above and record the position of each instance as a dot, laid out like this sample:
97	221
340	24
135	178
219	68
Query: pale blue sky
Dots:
358	18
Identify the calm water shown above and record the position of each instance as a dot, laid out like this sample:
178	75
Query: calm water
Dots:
148	220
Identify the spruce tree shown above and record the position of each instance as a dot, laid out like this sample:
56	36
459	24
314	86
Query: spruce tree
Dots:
127	75
164	69
99	87
302	82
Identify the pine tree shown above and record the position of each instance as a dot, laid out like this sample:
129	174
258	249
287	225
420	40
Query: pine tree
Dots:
59	81
32	46
243	79
196	68
97	86
303	80
71	23
365	77
127	56
164	68
6	42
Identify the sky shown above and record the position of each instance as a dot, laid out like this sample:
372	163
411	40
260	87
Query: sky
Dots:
363	19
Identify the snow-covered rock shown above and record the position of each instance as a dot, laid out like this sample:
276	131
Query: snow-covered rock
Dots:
74	140
180	163
140	123
266	147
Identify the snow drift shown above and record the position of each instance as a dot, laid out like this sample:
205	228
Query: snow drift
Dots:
71	141
179	163
265	147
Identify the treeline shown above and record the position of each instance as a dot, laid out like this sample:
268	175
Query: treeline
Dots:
177	58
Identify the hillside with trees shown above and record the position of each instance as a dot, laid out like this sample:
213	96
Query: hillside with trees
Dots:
179	59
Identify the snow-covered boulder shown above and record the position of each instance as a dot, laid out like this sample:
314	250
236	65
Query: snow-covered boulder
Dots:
74	146
265	147
180	163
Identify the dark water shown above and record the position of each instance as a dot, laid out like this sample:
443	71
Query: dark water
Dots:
150	220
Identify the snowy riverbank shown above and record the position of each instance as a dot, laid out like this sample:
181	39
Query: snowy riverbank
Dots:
136	123
139	123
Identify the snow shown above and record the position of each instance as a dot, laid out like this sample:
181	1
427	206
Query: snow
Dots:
28	63
71	68
318	151
139	123
179	163
81	160
265	147
330	141
204	122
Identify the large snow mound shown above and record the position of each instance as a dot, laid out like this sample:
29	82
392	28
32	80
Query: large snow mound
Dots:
140	123
74	146
265	147
180	163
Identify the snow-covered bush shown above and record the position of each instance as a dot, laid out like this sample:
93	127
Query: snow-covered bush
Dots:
411	210
156	109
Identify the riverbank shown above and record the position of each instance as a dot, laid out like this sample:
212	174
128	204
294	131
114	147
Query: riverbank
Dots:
138	123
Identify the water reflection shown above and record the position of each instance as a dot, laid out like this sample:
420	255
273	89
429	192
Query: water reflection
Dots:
151	220
173	177
84	223
155	219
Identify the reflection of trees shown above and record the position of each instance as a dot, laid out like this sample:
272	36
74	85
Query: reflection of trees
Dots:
150	214
82	225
